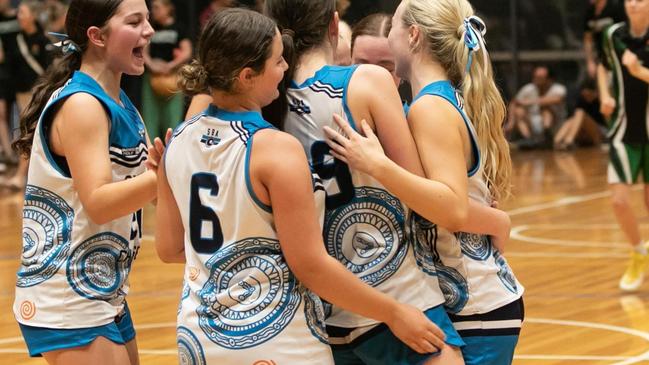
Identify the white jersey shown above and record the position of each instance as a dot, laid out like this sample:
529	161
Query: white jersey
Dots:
74	272
473	275
364	223
241	303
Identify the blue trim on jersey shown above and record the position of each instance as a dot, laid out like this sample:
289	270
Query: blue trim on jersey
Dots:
126	129
331	80
252	119
251	191
348	112
246	124
178	130
319	75
445	90
48	153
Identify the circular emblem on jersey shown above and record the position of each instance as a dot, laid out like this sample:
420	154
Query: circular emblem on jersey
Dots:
505	273
98	267
475	246
315	315
367	236
47	223
27	309
190	351
423	235
250	295
454	288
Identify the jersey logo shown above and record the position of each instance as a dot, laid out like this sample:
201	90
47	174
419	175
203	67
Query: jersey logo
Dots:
299	107
211	138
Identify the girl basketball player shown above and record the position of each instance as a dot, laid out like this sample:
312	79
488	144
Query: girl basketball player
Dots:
439	48
86	186
236	203
364	225
626	46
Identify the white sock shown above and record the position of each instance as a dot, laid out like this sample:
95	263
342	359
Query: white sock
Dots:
640	248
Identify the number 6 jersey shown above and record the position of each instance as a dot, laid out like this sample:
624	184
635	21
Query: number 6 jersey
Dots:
241	303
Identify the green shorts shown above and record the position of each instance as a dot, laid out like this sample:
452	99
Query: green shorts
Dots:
626	163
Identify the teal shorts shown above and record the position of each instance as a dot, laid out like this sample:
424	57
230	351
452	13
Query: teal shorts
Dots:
40	339
380	347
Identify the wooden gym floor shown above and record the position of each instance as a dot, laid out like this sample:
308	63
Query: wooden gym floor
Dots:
566	249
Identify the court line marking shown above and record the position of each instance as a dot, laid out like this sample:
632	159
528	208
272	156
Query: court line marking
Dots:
623	360
600	326
516	234
565	201
514	212
568	255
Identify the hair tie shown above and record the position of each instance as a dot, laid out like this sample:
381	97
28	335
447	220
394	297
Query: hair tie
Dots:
288	32
65	44
474	32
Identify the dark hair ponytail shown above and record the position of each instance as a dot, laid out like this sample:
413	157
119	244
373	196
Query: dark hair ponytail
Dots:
232	40
276	111
304	25
82	14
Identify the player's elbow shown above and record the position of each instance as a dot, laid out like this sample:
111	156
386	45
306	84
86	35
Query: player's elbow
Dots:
457	218
98	216
307	268
169	256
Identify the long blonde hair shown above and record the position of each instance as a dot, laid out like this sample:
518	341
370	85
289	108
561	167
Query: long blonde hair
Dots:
442	24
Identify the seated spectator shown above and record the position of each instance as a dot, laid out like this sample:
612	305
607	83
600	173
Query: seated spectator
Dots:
538	107
587	124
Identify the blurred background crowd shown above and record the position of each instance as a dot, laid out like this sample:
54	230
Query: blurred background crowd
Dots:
545	53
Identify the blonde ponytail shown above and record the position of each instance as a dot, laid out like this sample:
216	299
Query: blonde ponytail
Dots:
446	25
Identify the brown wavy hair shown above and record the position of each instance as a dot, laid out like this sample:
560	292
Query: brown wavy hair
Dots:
82	14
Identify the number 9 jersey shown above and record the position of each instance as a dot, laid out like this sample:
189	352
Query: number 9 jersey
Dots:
364	225
241	303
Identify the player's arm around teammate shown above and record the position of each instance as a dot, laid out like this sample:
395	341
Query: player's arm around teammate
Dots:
373	98
280	178
444	150
284	180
